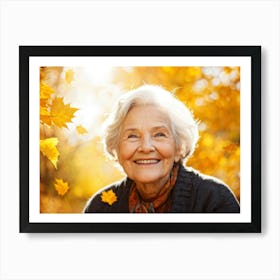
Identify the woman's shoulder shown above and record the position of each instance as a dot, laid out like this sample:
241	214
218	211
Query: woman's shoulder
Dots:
210	189
109	199
200	180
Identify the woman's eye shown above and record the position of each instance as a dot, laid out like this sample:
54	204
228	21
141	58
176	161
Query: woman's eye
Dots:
132	136
160	134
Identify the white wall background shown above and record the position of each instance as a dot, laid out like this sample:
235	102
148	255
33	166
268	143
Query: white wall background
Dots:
139	256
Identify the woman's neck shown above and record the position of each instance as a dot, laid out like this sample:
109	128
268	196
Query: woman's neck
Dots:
150	191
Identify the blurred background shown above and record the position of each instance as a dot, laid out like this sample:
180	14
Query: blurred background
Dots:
74	102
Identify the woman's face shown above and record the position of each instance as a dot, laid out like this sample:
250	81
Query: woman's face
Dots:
147	148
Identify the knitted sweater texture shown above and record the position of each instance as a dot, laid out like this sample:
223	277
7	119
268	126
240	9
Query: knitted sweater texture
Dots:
193	193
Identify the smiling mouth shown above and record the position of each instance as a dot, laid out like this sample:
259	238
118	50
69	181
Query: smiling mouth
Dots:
147	161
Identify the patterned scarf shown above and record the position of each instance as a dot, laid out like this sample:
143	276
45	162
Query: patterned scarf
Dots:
161	204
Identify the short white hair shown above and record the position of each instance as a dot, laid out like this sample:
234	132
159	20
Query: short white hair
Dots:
183	125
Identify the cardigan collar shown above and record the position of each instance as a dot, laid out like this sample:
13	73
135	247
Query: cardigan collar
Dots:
182	192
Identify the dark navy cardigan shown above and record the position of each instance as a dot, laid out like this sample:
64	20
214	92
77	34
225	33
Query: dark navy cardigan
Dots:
192	193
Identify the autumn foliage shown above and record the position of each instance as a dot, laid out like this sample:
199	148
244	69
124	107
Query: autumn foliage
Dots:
73	107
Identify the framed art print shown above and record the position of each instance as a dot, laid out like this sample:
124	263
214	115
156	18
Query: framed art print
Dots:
68	94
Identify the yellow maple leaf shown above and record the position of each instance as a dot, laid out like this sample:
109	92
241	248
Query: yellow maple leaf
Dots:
48	149
61	113
109	197
45	116
45	93
61	187
81	130
69	76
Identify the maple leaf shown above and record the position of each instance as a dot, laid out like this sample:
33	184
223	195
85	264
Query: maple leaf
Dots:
61	113
48	149
45	115
45	94
109	197
81	130
61	187
69	76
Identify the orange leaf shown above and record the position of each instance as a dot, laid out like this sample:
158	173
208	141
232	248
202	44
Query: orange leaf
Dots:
61	187
109	197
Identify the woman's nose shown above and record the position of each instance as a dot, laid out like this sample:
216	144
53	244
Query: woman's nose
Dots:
146	145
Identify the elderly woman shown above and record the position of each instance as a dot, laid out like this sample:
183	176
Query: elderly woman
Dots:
151	134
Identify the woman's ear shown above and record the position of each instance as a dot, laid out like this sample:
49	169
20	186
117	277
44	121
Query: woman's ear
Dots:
178	155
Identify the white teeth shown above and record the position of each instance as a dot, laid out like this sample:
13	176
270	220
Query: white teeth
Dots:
146	161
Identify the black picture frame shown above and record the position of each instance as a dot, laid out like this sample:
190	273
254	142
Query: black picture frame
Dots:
252	52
